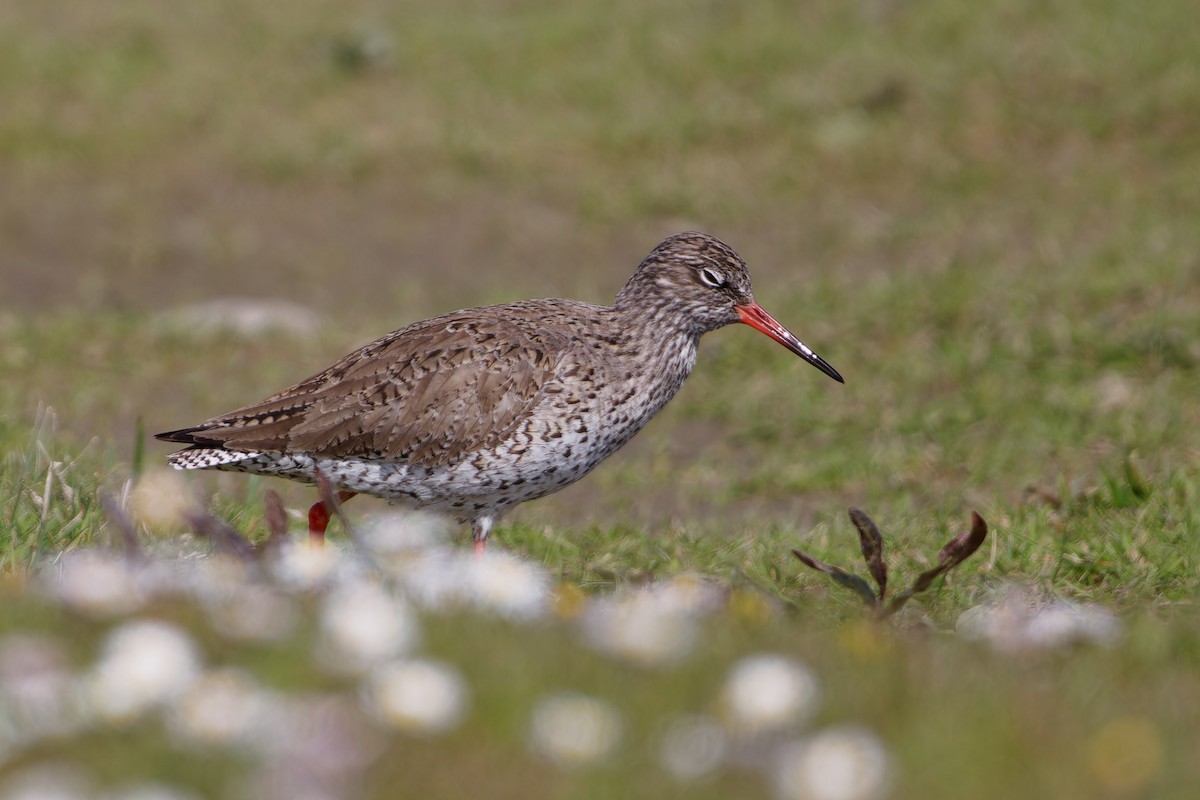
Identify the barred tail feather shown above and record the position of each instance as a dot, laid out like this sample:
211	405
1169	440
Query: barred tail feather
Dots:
204	457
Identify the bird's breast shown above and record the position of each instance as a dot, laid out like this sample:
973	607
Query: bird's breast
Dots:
597	404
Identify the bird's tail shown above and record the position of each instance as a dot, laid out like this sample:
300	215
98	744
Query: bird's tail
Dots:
203	453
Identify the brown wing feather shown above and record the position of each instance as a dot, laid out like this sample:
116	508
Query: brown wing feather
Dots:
430	393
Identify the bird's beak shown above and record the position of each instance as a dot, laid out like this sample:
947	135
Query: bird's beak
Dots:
753	315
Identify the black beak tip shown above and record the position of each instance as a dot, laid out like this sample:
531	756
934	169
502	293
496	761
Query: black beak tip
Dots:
828	369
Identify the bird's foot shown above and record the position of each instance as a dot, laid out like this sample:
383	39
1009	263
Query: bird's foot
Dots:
318	519
480	528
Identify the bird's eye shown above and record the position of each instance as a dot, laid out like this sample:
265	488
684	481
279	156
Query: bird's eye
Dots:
712	278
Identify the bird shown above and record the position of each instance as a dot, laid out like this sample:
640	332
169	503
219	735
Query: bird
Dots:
470	413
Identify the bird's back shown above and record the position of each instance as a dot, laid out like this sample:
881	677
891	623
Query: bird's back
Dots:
430	393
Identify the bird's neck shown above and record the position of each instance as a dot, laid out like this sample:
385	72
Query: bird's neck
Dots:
658	339
653	321
643	305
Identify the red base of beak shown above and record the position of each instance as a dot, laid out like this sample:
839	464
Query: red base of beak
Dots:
753	315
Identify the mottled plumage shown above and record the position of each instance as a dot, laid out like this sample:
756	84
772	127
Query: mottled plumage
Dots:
475	411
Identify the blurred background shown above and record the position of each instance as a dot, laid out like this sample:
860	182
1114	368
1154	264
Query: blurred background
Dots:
984	216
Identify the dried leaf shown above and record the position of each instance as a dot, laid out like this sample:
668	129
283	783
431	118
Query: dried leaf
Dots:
960	548
897	603
1133	475
277	527
926	579
333	503
139	448
871	541
276	518
841	577
922	583
956	551
124	525
224	538
1043	494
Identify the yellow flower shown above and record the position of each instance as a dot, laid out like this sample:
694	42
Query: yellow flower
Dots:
1125	755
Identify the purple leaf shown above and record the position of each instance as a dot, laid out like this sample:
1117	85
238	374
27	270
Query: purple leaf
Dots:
332	503
276	518
872	548
841	577
956	551
224	538
117	516
960	548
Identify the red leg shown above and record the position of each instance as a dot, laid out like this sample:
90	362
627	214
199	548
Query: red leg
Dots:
480	528
318	518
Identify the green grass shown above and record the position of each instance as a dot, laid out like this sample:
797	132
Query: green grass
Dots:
984	217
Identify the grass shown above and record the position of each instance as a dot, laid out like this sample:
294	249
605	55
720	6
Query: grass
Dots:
983	217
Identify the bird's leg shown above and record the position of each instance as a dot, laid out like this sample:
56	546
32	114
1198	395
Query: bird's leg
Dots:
318	518
480	528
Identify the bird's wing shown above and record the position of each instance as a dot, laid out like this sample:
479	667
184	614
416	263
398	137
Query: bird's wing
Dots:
431	394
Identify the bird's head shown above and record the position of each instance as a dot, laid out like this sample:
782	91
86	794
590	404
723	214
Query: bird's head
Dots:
696	280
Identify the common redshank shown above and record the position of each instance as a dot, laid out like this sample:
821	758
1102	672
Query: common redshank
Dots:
473	412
